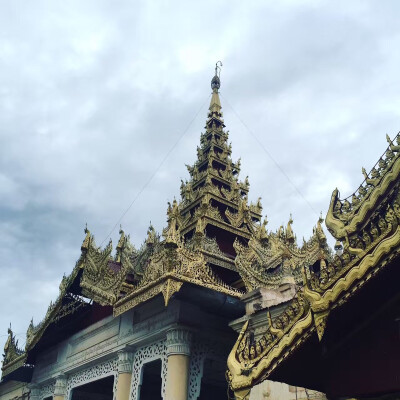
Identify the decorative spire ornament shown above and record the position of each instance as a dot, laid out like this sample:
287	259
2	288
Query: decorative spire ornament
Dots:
216	82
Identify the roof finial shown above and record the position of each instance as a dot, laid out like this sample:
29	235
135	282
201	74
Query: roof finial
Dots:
215	82
218	68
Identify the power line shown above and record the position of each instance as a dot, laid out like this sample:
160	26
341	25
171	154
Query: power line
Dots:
271	157
155	172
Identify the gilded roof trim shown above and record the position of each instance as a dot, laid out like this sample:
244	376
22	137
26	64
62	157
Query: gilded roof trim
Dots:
312	317
336	218
168	270
366	252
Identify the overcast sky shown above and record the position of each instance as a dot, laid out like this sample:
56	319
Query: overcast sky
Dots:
94	94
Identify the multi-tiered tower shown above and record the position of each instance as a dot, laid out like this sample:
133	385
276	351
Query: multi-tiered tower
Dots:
214	210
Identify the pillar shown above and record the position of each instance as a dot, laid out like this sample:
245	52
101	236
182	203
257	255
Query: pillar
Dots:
178	356
34	392
125	361
60	387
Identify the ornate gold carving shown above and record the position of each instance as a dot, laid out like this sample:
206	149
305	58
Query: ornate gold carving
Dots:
11	350
242	217
214	195
290	238
230	195
244	233
168	269
101	280
270	259
345	218
249	359
174	214
207	244
370	237
256	208
170	287
139	259
102	276
358	245
210	250
320	321
207	210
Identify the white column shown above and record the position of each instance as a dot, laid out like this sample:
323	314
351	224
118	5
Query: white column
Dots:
125	361
178	353
60	387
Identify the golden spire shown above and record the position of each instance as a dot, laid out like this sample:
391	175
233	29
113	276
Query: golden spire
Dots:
289	230
215	103
86	241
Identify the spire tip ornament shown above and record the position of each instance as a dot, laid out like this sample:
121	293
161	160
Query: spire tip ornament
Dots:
216	82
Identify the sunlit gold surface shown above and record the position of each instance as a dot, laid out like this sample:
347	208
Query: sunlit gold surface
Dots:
370	233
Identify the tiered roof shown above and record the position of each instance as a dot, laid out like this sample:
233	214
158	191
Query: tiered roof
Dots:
214	199
214	239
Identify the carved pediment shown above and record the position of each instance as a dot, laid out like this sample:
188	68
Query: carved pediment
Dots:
270	259
168	269
103	276
11	349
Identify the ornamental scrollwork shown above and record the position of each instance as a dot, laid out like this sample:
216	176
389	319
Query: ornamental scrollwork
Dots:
345	216
208	244
141	258
47	391
241	217
248	358
103	276
366	243
98	371
145	355
168	269
257	207
11	349
380	226
270	259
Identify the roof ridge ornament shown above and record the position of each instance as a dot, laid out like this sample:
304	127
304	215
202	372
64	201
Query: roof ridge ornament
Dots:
218	68
216	82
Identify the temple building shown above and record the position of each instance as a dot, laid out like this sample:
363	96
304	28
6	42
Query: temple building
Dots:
217	306
340	332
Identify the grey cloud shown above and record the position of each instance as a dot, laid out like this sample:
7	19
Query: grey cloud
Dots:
94	94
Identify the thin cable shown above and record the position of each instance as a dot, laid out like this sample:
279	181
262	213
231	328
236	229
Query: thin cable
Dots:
155	172
270	156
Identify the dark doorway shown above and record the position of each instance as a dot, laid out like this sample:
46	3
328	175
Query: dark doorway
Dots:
213	382
150	389
101	389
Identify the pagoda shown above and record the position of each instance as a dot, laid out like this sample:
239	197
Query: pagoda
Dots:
156	322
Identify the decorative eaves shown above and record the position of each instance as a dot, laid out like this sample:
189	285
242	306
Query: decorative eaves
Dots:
371	240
